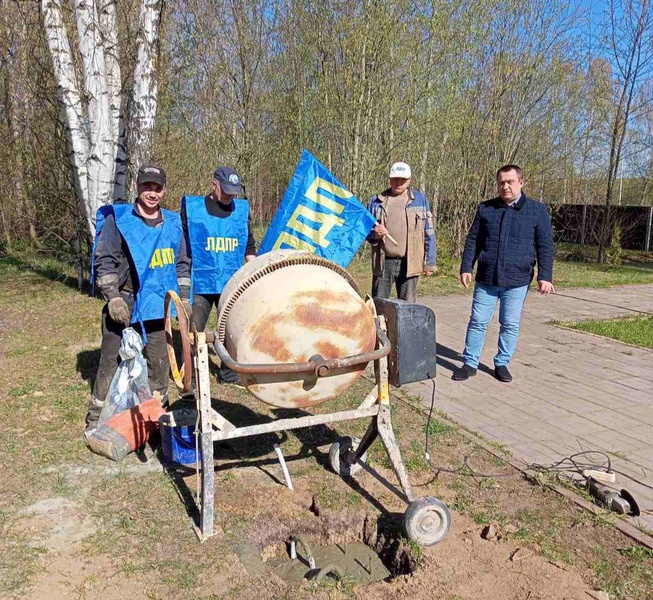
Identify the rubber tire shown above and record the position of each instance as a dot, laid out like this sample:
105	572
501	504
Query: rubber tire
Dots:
427	521
335	456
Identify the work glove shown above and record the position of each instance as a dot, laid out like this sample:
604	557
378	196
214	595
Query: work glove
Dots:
188	307
119	311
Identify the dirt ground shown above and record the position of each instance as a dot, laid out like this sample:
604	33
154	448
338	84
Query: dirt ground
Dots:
73	525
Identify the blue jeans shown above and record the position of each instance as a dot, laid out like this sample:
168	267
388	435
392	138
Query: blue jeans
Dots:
511	302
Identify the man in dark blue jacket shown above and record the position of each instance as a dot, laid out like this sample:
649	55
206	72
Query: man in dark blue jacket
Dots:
508	236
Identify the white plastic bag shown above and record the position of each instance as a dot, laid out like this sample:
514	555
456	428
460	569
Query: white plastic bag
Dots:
129	385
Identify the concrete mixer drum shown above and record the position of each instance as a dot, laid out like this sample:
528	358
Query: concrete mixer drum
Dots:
289	306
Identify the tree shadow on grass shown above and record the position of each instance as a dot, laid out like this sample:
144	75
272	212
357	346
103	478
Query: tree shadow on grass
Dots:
51	272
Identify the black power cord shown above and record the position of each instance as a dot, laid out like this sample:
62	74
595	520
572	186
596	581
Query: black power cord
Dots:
464	469
560	466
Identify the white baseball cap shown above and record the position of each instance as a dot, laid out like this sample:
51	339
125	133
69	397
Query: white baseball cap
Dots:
400	169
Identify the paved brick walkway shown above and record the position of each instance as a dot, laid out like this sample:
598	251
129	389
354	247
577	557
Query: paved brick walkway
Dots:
572	391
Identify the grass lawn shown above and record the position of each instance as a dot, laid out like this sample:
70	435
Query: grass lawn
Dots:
637	331
637	268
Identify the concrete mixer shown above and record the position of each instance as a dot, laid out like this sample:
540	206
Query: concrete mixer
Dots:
295	328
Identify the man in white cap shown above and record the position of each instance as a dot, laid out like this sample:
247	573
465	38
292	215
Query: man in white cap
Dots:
403	240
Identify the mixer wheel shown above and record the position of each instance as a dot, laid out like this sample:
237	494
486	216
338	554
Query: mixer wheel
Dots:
427	521
337	454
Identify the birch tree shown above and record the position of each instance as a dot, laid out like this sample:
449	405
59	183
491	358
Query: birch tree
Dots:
109	30
144	96
69	97
92	112
100	120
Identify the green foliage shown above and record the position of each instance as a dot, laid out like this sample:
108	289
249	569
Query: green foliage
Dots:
613	253
639	552
437	427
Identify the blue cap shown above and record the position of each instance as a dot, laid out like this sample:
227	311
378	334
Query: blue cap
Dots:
229	180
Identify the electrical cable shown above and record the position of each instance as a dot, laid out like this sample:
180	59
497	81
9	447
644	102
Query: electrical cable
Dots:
641	312
637	481
464	469
427	456
560	465
576	466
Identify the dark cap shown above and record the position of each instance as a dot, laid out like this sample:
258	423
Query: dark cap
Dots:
229	180
151	174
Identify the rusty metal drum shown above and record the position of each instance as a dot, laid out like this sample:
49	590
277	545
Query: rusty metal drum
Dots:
287	306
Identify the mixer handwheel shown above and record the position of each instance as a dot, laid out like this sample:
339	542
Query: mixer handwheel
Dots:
341	449
427	521
180	375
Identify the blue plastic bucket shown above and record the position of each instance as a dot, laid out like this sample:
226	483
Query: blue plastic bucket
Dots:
178	436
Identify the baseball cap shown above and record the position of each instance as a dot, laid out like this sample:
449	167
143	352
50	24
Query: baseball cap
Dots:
151	174
400	169
229	180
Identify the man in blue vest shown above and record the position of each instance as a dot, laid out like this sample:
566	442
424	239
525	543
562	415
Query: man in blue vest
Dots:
509	235
219	239
139	255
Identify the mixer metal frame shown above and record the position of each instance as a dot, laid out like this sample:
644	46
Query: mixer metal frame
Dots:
427	519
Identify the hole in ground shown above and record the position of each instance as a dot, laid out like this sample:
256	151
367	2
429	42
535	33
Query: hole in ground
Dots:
361	547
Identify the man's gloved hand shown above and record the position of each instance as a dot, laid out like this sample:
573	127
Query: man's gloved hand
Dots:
119	311
188	307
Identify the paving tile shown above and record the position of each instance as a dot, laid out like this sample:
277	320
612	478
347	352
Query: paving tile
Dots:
572	391
613	441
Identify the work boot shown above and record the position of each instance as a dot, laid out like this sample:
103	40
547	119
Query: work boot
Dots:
92	416
502	374
464	373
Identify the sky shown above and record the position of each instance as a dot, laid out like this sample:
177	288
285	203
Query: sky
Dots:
592	13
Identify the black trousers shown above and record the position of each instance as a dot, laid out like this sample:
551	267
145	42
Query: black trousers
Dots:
202	306
155	352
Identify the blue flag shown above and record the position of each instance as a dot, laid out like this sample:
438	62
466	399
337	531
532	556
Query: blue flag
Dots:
319	215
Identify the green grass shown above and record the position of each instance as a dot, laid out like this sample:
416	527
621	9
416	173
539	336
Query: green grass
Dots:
573	267
637	269
637	331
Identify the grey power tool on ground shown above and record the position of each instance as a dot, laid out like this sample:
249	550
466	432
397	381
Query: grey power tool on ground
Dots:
620	502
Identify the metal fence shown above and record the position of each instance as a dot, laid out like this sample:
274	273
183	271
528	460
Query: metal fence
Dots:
582	224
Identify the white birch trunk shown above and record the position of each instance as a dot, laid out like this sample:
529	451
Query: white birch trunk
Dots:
70	100
109	29
101	155
144	98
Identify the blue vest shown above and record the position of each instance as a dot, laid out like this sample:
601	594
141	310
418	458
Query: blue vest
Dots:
217	244
152	251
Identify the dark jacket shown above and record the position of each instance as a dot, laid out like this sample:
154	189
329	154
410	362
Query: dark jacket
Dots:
506	241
